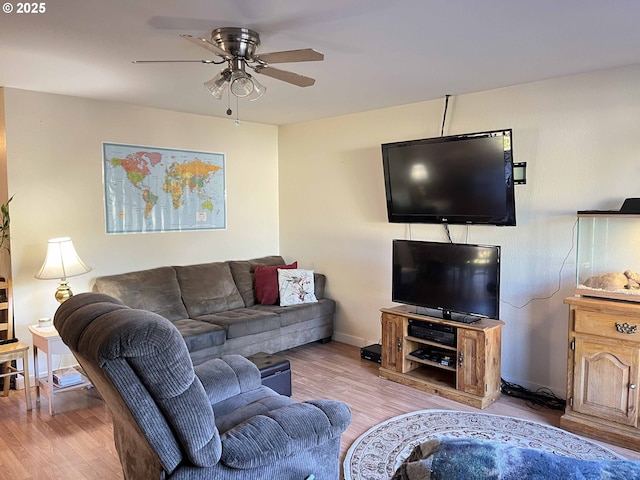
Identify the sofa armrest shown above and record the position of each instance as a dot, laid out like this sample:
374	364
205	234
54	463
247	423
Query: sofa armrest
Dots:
265	439
319	281
227	376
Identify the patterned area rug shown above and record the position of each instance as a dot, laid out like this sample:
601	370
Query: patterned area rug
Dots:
377	453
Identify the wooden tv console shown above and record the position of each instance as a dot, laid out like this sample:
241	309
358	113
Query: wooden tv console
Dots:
474	376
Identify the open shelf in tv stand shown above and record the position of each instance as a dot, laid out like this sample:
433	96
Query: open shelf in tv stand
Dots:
475	377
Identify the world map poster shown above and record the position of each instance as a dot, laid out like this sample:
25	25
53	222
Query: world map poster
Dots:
150	189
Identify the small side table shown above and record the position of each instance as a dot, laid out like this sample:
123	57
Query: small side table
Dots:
47	340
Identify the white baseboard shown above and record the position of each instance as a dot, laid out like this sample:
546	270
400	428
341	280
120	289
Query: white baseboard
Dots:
351	340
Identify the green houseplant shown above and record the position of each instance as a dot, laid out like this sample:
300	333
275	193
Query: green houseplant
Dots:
5	220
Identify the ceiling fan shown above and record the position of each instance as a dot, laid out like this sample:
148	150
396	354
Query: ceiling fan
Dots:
237	48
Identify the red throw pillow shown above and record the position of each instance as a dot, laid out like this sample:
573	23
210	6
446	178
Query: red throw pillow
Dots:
266	283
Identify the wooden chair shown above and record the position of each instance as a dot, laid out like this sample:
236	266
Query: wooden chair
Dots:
8	353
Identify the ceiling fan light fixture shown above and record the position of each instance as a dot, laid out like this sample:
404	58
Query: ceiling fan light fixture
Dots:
217	84
258	90
238	48
241	83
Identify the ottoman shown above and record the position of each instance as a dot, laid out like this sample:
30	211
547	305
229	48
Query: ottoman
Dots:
275	372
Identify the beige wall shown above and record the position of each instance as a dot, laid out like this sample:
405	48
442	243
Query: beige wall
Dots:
577	134
5	258
55	172
579	138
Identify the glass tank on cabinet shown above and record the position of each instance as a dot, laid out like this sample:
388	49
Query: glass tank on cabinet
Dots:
608	255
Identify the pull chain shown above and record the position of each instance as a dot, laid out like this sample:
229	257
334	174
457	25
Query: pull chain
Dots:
237	122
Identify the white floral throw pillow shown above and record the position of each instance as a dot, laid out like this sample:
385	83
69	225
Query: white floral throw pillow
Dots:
296	286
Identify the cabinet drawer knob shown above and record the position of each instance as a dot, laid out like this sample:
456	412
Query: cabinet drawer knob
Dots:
626	328
632	386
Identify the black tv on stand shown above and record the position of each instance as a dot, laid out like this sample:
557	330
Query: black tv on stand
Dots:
453	281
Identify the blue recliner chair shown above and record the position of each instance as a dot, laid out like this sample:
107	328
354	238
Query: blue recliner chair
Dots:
174	421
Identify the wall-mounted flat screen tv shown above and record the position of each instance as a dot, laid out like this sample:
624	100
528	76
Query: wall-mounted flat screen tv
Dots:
461	281
458	179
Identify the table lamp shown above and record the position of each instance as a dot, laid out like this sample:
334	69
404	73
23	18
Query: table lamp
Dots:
61	262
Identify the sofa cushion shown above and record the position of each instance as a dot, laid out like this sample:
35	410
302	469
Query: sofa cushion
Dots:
232	412
266	282
268	438
224	378
296	286
243	321
319	280
154	290
208	288
243	274
200	335
299	313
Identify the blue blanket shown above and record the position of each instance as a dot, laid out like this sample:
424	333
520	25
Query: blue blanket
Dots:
471	459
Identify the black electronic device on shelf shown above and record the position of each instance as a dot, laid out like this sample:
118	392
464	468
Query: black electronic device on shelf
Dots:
443	334
440	357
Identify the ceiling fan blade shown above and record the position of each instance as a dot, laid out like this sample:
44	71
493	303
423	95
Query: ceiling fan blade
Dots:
175	61
204	43
302	55
289	77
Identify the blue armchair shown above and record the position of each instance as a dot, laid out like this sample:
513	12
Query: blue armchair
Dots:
174	421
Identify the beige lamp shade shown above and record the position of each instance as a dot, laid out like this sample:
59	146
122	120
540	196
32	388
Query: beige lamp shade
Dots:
61	262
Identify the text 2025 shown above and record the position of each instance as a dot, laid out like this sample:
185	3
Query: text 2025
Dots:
31	7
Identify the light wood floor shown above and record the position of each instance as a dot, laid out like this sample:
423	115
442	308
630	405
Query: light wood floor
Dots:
77	442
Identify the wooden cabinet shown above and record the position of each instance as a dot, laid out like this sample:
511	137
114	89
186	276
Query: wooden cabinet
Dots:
392	334
603	370
471	366
470	371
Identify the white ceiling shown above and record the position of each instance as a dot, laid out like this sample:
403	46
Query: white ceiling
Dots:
378	53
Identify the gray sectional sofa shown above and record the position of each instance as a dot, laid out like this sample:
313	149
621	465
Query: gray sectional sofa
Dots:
214	307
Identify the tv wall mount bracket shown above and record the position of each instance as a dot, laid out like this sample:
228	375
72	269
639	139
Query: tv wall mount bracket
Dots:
519	173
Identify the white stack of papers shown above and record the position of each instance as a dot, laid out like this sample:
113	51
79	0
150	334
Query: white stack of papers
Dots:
66	377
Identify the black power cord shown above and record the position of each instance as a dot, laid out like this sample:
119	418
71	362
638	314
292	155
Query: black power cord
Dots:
444	119
541	398
444	114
